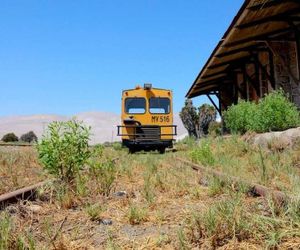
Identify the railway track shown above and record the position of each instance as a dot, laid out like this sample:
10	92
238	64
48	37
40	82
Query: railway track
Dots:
6	144
256	189
26	193
29	192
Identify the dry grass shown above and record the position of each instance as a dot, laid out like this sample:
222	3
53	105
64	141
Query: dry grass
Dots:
18	168
156	202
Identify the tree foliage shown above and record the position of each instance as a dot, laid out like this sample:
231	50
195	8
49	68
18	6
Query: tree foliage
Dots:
29	137
64	149
207	114
197	121
190	118
10	137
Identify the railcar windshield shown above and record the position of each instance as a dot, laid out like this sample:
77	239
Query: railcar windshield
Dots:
135	105
159	105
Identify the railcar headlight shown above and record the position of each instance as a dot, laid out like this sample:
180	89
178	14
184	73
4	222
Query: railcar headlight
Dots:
147	86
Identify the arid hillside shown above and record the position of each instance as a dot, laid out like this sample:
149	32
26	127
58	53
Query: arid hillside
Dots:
104	124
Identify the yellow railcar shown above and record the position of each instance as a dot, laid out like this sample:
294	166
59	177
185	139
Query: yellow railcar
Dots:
147	119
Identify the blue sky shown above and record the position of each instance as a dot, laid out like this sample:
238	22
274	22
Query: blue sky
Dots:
66	57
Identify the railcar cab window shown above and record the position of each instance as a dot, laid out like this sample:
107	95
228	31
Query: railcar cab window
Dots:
159	105
135	105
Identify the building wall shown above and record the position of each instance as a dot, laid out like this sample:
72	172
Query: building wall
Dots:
286	69
274	67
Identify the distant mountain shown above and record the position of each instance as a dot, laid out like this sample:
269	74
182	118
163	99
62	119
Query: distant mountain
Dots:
104	124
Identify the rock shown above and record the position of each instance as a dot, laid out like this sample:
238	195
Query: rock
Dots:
120	193
11	209
34	208
203	181
277	141
106	221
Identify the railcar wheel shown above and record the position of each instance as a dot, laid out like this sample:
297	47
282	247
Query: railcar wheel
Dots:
132	150
162	150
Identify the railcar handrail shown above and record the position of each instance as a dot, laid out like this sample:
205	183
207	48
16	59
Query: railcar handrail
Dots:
147	126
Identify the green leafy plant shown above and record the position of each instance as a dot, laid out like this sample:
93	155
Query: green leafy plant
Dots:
274	112
136	215
5	231
94	211
64	149
241	117
105	174
215	129
203	154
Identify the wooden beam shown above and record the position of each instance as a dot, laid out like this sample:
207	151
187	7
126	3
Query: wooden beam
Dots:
207	83
214	104
243	49
230	62
297	40
263	69
257	37
221	73
267	4
253	83
272	69
282	17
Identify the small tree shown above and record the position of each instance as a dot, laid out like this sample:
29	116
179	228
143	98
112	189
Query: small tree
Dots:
10	137
197	123
190	118
207	114
29	137
64	149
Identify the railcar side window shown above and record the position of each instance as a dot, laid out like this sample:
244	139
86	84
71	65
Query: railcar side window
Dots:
158	105
135	105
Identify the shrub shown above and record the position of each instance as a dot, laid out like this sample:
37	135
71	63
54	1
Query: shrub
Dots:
203	154
241	117
10	137
197	123
215	129
136	215
277	113
64	149
29	137
207	115
94	212
190	118
274	112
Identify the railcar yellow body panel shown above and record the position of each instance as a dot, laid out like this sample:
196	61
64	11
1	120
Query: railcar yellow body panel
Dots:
147	118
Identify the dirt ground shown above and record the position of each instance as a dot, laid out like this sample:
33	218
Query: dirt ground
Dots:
154	202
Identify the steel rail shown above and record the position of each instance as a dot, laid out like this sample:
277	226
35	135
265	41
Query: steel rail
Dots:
256	189
26	193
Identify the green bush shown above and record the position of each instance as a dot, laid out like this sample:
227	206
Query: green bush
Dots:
241	117
203	154
64	149
29	137
215	129
277	113
10	137
274	112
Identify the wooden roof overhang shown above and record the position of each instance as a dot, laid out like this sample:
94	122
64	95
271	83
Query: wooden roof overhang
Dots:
256	22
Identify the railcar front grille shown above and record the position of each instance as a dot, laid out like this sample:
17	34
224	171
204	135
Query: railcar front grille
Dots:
147	133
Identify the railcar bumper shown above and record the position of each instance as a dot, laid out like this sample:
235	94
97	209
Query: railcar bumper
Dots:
148	145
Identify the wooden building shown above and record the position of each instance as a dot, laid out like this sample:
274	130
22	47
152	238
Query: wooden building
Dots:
259	52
